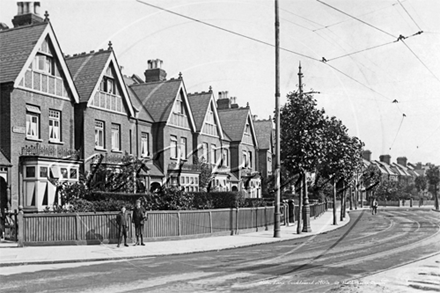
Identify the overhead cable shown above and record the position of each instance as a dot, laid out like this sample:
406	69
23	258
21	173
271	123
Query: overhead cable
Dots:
398	130
409	14
420	60
360	20
225	30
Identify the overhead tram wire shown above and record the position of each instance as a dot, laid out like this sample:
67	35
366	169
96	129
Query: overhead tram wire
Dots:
420	60
374	47
409	15
261	42
398	130
226	30
358	19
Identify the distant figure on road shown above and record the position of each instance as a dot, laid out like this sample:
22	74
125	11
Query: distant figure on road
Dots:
123	221
420	201
139	217
374	206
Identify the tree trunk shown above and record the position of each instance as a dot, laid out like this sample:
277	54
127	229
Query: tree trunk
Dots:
298	226
351	198
356	196
335	222
341	218
436	198
362	199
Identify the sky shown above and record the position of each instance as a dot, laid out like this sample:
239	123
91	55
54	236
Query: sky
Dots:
367	67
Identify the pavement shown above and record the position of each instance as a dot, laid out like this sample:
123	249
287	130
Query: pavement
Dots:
12	255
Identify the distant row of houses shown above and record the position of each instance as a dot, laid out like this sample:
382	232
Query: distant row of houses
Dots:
400	171
62	115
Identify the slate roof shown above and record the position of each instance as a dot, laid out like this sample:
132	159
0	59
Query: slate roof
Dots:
16	45
199	103
3	160
143	112
233	122
158	97
263	131
86	70
154	171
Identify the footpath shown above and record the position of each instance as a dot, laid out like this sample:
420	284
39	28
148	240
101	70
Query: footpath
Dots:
32	255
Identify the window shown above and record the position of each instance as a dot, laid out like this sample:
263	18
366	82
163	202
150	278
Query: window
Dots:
30	172
43	172
173	147
245	160
210	117
250	159
44	63
145	144
179	108
73	173
99	134
213	154
54	125
116	137
107	85
183	148
225	160
32	125
248	129
204	152
64	173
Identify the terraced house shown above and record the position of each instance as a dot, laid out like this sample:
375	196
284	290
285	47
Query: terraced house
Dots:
167	102
37	102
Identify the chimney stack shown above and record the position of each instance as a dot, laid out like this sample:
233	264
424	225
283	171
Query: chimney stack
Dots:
223	101
28	13
402	161
154	71
366	155
385	159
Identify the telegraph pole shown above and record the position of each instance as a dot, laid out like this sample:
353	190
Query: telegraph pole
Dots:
276	231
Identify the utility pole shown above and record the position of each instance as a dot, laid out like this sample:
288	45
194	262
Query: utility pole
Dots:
306	204
277	214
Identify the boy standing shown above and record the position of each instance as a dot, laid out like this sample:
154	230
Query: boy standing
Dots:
123	221
139	217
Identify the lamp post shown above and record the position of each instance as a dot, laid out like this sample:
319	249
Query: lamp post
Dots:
276	232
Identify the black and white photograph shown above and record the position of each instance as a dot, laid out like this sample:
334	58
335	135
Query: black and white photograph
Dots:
220	146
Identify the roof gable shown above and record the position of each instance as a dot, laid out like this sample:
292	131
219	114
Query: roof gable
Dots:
263	131
19	46
201	105
88	72
234	123
158	98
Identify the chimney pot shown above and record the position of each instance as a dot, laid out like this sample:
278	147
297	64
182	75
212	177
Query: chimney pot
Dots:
154	71
385	159
27	14
366	155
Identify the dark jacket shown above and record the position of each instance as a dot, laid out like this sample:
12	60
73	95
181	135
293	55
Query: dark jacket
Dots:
123	219
139	216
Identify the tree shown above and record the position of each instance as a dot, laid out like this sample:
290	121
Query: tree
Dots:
433	177
301	137
371	178
341	158
420	183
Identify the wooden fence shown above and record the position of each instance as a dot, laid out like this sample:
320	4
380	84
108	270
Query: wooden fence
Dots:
101	227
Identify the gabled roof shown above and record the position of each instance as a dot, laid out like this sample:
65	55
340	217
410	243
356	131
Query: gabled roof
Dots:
3	160
385	167
402	169
137	104
18	47
234	122
158	98
263	130
200	103
88	69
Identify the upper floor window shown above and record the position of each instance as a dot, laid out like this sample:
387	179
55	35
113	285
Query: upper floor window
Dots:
116	137
108	85
250	159
54	125
245	159
145	144
204	156
210	117
179	107
44	63
183	148
247	129
225	159
213	154
173	147
32	122
99	134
